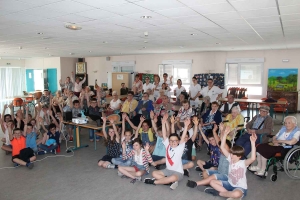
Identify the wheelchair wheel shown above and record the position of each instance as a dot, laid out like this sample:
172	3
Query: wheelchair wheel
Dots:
292	163
273	177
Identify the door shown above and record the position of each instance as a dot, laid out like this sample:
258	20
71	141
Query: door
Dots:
52	80
29	80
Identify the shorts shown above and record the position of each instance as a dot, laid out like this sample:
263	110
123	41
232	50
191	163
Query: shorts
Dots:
229	187
208	165
168	172
138	167
25	155
185	162
156	158
218	176
106	158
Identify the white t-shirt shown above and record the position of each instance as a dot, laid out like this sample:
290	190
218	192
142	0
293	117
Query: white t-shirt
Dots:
212	93
237	173
149	86
6	134
156	92
167	82
115	104
179	90
194	89
285	135
138	158
229	106
174	162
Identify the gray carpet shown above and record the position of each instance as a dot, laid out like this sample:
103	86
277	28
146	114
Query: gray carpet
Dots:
79	177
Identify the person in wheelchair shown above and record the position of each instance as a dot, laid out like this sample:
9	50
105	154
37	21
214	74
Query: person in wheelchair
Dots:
260	124
234	120
282	142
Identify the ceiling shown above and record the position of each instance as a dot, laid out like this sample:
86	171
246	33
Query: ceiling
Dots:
114	27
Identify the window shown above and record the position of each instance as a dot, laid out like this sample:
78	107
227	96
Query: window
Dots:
247	75
178	71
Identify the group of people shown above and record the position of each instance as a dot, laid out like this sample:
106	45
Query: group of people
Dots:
154	133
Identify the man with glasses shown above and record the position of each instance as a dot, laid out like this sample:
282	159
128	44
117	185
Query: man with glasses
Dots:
143	109
130	104
212	91
260	124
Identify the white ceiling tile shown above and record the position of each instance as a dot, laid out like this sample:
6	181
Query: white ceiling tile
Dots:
159	4
198	18
287	10
97	14
68	6
39	2
266	25
101	3
230	22
291	23
177	12
42	12
11	5
197	25
288	2
154	16
242	5
263	19
213	8
126	9
201	2
161	21
259	13
223	16
20	18
72	18
290	17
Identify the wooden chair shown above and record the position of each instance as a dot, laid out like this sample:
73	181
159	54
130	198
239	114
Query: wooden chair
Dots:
264	103
281	108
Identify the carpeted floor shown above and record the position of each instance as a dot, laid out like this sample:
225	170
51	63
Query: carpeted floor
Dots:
79	177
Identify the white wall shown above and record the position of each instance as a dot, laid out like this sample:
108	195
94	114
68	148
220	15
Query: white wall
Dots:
12	63
67	66
202	62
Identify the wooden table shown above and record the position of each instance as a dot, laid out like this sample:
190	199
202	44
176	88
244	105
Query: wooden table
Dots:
90	125
256	102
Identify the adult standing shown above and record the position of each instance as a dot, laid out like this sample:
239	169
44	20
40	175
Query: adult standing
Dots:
147	85
67	84
77	84
194	92
137	85
179	88
166	81
156	87
212	91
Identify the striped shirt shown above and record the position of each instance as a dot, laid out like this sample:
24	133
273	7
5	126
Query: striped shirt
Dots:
146	158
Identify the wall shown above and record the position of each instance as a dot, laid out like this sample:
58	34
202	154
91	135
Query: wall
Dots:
202	62
67	66
13	63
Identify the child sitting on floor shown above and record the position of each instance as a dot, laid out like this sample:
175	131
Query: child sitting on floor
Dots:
141	159
236	186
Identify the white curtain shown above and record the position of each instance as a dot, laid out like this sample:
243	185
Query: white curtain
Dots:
12	83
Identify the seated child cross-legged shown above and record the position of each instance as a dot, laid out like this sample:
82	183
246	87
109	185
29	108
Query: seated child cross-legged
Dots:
214	153
174	150
220	174
236	186
141	159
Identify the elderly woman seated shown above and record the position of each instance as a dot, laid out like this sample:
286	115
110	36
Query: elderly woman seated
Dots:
205	106
287	136
115	104
233	120
260	124
211	117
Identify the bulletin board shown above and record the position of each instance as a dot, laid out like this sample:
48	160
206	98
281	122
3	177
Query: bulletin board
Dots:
217	77
118	78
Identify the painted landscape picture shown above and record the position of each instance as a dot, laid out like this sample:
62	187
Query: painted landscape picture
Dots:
283	80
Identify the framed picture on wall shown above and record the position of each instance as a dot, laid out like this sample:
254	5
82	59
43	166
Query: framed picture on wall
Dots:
80	68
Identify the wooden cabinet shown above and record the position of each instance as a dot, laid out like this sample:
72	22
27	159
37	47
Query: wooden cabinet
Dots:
291	97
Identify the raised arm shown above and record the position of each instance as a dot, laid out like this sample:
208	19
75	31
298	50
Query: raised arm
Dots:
203	135
9	131
216	137
196	122
98	93
163	124
168	128
152	117
172	119
103	127
53	119
11	106
131	124
72	77
223	141
115	130
250	160
25	127
187	121
123	125
83	80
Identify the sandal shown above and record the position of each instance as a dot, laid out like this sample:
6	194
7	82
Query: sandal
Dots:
253	168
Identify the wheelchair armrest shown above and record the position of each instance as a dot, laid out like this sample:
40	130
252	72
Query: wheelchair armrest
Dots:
240	125
225	121
248	119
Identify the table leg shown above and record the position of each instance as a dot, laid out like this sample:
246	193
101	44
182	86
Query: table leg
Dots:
271	110
76	138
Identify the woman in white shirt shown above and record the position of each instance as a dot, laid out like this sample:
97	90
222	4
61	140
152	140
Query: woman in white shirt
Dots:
147	85
156	87
166	89
115	103
194	93
179	88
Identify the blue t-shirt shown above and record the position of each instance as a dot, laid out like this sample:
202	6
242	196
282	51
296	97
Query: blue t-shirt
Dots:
160	149
55	137
214	154
31	141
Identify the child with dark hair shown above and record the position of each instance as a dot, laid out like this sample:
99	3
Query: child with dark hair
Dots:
20	154
6	122
236	186
141	159
214	151
30	136
221	173
174	150
112	142
50	140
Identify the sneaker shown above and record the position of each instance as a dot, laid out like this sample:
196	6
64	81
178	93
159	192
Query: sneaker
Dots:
197	168
53	151
261	173
16	165
191	184
253	168
30	165
174	185
42	152
149	181
138	178
157	167
120	174
110	166
201	188
201	174
210	190
133	181
71	139
123	176
186	172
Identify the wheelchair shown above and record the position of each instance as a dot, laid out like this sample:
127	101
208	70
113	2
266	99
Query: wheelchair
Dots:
289	163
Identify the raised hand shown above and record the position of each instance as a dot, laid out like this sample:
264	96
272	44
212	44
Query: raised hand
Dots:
123	145
111	121
124	115
171	77
253	138
172	119
142	119
195	121
155	119
165	118
187	122
215	127
147	146
227	130
104	119
5	106
151	114
221	126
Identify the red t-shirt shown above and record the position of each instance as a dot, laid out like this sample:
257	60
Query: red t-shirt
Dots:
18	145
